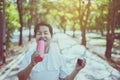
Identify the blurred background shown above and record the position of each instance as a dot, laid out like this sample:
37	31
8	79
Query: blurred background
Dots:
94	24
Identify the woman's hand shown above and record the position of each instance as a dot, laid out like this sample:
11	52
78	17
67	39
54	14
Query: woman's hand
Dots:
34	55
79	67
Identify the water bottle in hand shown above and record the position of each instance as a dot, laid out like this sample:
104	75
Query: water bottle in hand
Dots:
40	49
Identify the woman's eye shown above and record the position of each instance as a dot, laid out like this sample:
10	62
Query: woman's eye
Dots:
38	33
46	33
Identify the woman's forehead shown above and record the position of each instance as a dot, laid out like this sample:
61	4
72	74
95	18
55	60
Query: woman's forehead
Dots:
43	28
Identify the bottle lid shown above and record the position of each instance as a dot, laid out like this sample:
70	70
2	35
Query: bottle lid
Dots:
41	38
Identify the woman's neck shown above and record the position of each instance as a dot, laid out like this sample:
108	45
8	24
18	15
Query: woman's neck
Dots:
46	49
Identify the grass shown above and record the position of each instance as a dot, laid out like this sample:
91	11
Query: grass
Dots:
117	31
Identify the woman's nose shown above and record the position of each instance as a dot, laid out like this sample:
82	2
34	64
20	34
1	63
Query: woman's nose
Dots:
42	35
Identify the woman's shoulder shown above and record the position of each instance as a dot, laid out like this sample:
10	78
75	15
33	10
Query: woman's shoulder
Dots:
29	52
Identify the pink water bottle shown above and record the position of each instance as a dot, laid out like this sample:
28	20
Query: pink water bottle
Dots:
40	49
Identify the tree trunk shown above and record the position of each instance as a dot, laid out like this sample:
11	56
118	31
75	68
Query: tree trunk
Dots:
101	31
8	38
29	25
109	45
112	19
73	30
83	28
2	26
64	28
19	6
84	23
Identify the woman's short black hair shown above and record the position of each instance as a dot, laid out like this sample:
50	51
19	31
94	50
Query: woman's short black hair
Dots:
44	24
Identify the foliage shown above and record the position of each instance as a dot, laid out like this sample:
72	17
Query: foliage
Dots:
64	12
112	23
11	21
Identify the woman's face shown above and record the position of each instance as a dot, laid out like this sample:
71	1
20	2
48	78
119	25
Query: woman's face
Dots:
45	34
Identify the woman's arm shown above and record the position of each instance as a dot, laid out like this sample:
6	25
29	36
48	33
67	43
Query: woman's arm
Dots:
75	72
24	74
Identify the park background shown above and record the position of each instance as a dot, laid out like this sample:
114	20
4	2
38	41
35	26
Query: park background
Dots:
95	24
